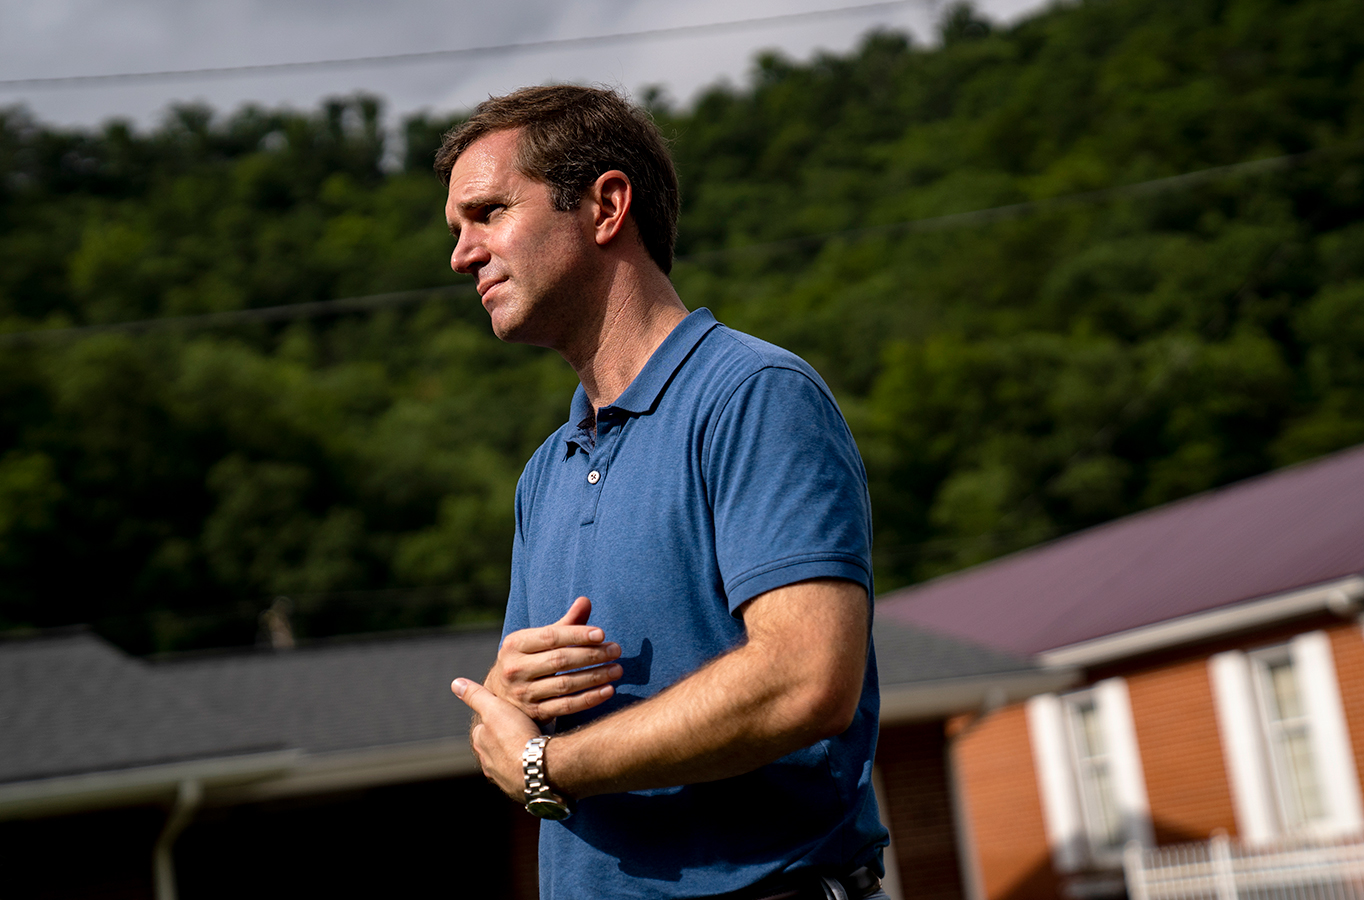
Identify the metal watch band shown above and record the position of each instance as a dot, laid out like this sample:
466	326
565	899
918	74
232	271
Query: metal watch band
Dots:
540	798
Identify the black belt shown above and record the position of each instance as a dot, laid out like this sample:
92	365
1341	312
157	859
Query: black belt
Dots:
809	886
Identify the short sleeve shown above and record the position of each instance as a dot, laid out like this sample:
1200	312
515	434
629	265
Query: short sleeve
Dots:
787	487
518	612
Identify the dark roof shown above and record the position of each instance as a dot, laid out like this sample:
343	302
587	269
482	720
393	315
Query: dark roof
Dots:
70	703
907	655
1293	528
344	695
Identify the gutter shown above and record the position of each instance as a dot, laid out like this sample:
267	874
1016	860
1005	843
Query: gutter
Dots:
187	800
319	773
144	784
1343	597
925	700
239	779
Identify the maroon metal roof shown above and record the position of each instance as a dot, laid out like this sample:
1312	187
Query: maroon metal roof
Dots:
1288	529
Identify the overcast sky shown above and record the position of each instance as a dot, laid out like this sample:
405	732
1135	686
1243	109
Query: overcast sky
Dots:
54	38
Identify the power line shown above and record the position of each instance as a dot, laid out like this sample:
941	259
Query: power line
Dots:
429	55
286	313
1017	210
933	223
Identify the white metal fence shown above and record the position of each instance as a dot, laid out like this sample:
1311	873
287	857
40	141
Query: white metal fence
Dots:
1223	869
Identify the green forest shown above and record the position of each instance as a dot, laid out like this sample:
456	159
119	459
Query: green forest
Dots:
1031	323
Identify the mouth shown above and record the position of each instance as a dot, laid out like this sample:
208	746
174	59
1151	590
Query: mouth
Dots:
485	288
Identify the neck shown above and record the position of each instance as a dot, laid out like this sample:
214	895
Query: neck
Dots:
640	311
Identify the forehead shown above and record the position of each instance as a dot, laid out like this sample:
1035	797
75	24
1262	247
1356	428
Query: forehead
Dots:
486	167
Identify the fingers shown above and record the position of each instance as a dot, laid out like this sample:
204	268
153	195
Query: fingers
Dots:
490	709
550	637
578	612
541	699
499	735
573	703
478	698
574	668
547	663
556	669
571	682
571	630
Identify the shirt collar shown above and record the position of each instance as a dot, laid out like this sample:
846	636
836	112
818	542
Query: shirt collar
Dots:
644	392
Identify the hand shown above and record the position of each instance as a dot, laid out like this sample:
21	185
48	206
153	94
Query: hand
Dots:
498	736
558	669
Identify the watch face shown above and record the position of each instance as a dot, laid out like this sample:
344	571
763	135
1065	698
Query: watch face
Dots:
548	808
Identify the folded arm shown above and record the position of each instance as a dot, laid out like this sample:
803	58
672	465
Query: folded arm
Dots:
796	679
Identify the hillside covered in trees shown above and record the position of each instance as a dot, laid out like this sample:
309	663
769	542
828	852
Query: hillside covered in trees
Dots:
1032	325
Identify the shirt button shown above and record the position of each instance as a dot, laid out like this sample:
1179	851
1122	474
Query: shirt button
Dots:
593	477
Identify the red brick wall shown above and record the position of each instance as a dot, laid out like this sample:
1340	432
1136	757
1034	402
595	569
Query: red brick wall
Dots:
913	763
1347	646
1181	751
1176	724
993	760
1181	754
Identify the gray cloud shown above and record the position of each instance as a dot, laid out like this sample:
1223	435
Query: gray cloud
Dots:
77	37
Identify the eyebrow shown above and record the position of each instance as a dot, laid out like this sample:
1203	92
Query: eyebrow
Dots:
467	205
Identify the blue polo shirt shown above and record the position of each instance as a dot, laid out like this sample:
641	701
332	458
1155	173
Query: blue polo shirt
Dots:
723	471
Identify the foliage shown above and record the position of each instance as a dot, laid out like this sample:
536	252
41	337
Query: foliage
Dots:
1010	378
1016	379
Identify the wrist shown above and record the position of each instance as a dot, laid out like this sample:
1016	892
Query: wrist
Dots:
541	798
576	759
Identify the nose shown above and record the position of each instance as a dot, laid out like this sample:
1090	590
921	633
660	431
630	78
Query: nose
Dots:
469	253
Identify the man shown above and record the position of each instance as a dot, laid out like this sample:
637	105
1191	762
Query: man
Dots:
711	731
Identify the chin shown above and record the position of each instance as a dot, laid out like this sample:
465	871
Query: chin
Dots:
503	320
504	334
506	328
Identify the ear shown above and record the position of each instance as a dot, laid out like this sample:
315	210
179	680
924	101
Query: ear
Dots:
610	198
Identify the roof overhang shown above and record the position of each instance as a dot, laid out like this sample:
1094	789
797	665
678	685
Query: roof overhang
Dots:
1342	597
372	767
234	780
928	700
139	785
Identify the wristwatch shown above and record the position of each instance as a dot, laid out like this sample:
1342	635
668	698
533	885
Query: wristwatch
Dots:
540	800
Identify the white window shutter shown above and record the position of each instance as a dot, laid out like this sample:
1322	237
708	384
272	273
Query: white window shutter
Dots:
1238	720
1129	779
1315	669
1056	782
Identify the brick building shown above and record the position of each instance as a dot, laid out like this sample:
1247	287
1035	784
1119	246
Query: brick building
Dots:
342	768
1222	683
1195	668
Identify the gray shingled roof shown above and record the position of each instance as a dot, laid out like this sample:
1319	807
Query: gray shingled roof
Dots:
1297	527
908	655
70	703
343	695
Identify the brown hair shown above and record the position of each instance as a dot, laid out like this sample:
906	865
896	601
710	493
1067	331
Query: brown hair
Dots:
569	136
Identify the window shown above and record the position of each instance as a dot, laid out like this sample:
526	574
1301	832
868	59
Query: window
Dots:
1289	739
1093	773
1089	774
1285	742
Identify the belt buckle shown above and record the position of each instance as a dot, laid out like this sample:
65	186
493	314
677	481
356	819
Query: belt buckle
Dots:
833	889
